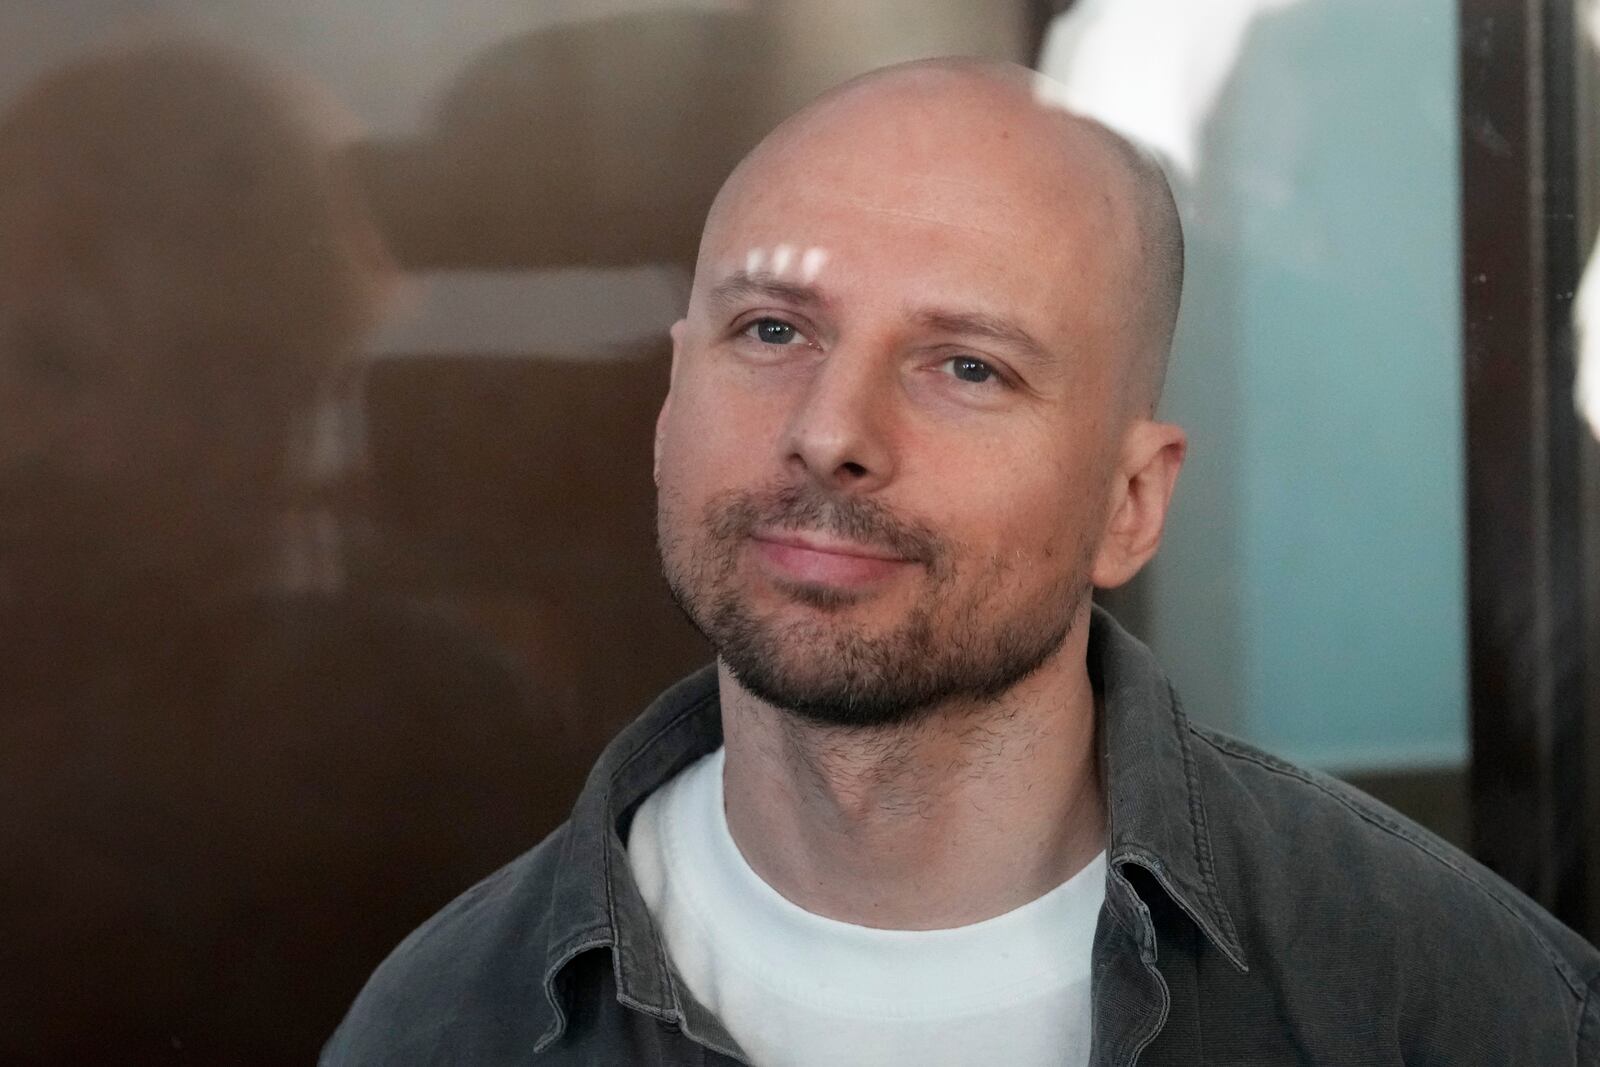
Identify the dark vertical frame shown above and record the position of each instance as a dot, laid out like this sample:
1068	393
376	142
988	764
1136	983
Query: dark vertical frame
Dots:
1524	502
1587	140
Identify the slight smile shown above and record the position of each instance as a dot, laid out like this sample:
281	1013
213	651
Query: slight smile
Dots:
814	559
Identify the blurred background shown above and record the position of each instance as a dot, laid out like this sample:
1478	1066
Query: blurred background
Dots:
331	339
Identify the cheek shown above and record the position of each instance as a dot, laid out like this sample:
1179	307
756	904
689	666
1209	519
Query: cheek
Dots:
1018	507
716	438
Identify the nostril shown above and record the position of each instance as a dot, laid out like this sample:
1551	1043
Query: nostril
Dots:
854	470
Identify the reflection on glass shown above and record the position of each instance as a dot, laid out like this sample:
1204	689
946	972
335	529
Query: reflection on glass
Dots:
1586	305
1586	311
1152	69
326	519
209	776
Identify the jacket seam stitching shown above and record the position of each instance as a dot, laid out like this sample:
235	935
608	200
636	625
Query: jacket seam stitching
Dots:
1586	1016
650	742
1376	819
559	1025
663	975
579	941
604	934
1202	836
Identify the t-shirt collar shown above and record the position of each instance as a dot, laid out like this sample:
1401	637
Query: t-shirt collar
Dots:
1156	820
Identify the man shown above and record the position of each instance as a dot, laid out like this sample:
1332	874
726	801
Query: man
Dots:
930	806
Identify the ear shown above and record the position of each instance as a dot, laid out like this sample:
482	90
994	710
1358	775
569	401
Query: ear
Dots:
1141	489
666	405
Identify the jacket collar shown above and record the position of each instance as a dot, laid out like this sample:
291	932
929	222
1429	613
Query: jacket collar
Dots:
595	901
1157	821
1154	805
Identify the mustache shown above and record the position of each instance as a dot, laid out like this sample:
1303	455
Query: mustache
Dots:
804	508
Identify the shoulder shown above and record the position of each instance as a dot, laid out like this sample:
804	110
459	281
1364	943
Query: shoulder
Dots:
1320	874
468	973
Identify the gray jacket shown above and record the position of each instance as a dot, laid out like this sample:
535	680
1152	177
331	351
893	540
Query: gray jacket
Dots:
1255	913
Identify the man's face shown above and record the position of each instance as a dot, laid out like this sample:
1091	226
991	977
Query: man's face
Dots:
885	458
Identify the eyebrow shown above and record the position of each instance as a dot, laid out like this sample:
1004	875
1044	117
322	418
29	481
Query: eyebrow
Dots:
988	327
744	284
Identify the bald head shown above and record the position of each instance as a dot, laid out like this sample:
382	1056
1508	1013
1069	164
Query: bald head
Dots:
987	129
908	425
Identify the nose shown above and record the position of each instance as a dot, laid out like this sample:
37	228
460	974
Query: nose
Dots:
840	435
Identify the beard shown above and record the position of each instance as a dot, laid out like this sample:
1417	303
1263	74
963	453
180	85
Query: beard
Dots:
971	636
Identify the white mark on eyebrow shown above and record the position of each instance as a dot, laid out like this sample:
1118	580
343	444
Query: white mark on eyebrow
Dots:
781	257
753	260
811	263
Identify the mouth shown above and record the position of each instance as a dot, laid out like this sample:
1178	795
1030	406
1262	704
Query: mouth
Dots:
817	560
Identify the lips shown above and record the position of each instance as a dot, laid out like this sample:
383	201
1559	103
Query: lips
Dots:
816	560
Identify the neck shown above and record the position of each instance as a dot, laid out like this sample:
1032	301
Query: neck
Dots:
975	809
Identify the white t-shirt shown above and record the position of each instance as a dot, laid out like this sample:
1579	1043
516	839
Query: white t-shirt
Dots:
797	988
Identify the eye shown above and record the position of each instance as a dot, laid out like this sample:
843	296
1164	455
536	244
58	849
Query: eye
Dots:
970	369
773	332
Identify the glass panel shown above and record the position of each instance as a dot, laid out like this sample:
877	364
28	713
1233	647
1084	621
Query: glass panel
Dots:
1309	595
332	335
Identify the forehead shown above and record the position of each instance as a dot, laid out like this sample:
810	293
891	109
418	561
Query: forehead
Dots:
986	214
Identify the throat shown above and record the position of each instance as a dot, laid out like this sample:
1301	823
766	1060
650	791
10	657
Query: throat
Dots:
938	826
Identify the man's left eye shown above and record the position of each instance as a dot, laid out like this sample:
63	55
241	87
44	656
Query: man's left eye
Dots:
969	369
